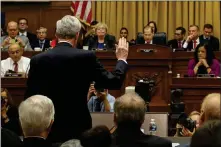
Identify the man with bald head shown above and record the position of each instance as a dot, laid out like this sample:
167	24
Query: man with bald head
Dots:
129	115
210	108
15	61
12	29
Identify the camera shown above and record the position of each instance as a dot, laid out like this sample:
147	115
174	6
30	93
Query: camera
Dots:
187	122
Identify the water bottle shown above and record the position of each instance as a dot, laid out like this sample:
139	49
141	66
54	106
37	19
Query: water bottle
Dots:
153	127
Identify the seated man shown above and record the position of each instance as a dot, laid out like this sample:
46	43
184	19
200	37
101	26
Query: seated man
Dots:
36	115
129	115
148	37
178	40
101	102
41	41
13	37
15	62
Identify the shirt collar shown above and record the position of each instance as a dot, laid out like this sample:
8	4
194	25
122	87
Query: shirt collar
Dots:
19	62
151	42
42	41
65	41
25	33
205	37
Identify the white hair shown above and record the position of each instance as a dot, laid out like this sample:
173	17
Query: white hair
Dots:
130	107
68	27
72	143
36	114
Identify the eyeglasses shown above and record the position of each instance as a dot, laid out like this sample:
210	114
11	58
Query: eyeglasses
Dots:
177	34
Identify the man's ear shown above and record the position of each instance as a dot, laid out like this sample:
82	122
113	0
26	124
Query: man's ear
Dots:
49	127
77	35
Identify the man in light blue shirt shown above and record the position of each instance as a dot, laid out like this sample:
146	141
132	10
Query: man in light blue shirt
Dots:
101	102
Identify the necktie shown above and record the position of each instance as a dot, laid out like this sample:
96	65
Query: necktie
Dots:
22	34
41	44
194	44
16	67
179	44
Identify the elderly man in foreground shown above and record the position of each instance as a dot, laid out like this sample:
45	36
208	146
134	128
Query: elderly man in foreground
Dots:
36	116
129	115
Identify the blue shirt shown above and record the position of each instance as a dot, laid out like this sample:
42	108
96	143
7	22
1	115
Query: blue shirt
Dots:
95	105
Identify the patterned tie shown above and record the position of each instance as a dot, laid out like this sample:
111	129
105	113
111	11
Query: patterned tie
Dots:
194	44
15	66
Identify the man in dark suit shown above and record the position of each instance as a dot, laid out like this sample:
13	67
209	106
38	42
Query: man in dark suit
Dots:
148	37
64	75
41	40
23	26
129	115
207	37
192	40
178	40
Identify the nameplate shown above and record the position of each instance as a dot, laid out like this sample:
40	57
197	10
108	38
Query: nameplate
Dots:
147	50
205	75
178	49
13	75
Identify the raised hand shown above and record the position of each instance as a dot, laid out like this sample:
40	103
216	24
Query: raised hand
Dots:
122	49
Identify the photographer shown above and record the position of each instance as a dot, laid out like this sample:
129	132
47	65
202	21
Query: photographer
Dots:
102	101
192	122
9	113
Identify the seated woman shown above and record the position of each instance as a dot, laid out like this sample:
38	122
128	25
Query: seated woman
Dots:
204	62
9	113
101	40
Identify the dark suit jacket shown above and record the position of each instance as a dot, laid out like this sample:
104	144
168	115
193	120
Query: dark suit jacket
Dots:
109	40
32	38
135	138
174	43
13	124
157	41
64	74
36	142
213	42
46	44
10	139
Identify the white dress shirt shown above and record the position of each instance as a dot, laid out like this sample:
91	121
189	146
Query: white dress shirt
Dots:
25	34
186	43
8	64
151	42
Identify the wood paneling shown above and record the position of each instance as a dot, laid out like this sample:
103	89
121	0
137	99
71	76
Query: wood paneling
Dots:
39	14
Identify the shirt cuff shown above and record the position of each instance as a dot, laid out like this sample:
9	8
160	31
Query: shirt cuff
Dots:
185	45
123	60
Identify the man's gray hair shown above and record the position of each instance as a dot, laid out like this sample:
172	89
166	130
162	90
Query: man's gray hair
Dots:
36	114
68	27
72	143
130	107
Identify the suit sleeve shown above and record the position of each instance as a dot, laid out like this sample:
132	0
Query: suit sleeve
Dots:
32	82
106	79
